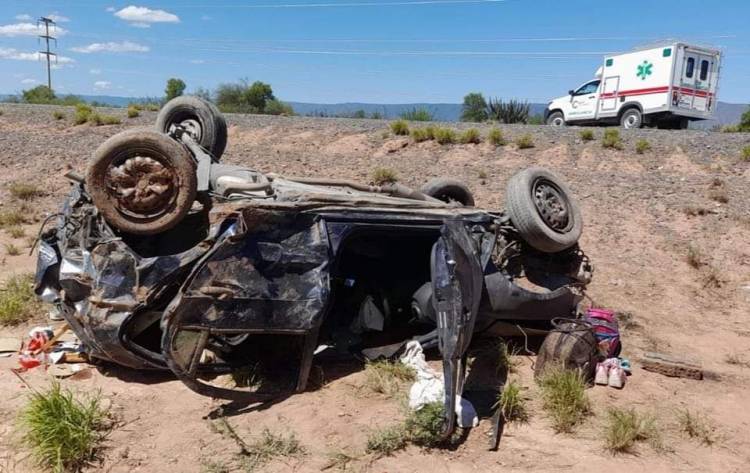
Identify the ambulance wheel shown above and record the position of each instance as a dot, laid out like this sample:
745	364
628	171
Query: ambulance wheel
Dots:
556	119
632	118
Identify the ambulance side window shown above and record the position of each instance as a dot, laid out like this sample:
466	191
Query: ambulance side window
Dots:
690	68
704	70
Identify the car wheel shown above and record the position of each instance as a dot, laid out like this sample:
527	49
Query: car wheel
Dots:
142	181
200	119
543	211
556	119
449	190
632	118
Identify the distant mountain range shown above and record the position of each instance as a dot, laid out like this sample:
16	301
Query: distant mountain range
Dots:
726	113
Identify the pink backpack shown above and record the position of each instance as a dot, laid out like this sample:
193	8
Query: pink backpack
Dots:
606	330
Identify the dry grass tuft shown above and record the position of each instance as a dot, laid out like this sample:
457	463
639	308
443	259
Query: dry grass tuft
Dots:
496	138
525	141
564	398
24	191
384	377
18	303
697	426
625	427
382	176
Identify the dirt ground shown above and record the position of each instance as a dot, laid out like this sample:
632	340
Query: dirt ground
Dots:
642	214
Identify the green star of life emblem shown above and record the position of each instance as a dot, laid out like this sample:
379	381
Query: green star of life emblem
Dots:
644	70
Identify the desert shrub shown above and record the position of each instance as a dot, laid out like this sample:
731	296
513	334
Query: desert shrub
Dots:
153	107
445	136
24	191
101	119
400	127
18	302
16	232
13	217
133	112
474	108
641	146
384	377
513	111
744	124
58	115
496	137
564	397
417	115
470	136
612	139
587	135
512	404
730	129
694	257
386	441
83	113
421	427
277	107
746	153
40	94
697	426
625	427
421	134
382	176
243	97
63	432
12	250
525	141
269	446
482	174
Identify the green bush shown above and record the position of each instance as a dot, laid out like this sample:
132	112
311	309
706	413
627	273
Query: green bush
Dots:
83	113
474	108
470	136
99	119
513	111
512	404
587	135
40	94
421	134
64	433
612	139
58	115
400	127
641	146
496	137
445	136
626	427
175	88
745	122
133	112
243	97
277	107
417	115
525	141
746	153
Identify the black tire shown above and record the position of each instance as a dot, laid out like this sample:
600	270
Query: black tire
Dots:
142	181
543	211
449	190
556	119
201	118
631	118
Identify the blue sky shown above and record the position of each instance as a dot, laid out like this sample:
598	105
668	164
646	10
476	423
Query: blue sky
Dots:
382	51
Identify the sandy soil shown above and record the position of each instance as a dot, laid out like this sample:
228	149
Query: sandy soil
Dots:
641	212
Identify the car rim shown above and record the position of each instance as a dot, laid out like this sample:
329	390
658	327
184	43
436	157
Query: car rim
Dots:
552	205
631	121
142	186
192	127
557	121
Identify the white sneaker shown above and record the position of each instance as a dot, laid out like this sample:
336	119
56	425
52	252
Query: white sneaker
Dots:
602	374
617	377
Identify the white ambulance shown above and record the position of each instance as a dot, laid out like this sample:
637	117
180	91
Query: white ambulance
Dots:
665	86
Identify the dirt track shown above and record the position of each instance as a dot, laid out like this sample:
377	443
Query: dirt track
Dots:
642	213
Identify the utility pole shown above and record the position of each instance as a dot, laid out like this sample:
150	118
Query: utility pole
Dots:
47	22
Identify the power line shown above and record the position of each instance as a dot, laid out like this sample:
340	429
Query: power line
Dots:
46	36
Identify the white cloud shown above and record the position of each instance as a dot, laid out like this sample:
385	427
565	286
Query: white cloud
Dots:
112	47
197	61
95	72
11	53
27	29
139	16
58	18
102	85
23	17
111	9
29	81
140	25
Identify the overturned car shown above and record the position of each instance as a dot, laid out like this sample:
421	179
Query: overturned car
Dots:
163	258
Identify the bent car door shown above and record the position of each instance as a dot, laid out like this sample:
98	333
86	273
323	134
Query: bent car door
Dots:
457	290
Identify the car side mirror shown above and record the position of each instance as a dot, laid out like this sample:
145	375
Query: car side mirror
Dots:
571	92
